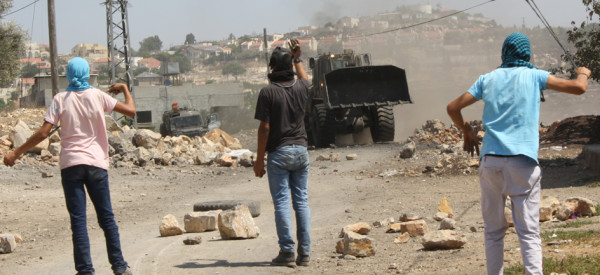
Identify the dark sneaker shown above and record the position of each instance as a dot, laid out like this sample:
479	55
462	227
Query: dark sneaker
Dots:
303	260
284	259
125	272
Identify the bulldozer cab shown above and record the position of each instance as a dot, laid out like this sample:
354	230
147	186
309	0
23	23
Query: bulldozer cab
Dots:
332	62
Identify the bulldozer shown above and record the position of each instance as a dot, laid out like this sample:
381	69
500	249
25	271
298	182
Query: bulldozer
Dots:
349	95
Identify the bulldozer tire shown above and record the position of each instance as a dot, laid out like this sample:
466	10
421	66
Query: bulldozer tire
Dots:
322	127
253	206
383	128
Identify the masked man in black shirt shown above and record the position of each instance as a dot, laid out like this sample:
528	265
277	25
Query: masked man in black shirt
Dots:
281	108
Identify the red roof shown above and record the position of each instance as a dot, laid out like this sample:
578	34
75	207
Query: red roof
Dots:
256	45
30	60
101	60
28	80
433	34
151	62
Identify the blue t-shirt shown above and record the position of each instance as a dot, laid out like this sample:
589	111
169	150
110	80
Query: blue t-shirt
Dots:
511	112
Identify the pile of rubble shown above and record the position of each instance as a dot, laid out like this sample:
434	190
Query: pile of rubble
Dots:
444	149
128	147
356	243
552	209
573	130
435	131
449	234
147	148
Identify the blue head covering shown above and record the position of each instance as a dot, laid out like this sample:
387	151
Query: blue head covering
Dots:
516	51
78	73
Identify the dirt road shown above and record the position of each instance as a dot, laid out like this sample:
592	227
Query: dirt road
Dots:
341	193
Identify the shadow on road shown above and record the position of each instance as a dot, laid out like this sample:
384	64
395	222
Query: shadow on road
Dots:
221	263
566	172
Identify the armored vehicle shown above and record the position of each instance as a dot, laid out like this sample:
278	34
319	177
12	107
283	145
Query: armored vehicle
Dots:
187	122
349	94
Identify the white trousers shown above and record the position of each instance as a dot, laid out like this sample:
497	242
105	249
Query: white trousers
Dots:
519	178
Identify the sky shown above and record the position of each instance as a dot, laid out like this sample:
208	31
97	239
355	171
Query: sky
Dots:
84	21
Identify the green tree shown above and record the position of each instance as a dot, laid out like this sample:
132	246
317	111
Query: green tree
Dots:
233	68
14	95
4	6
6	106
11	46
244	38
586	39
185	65
140	70
29	70
151	44
190	39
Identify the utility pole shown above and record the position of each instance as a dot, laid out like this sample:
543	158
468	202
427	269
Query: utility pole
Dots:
52	38
117	32
266	49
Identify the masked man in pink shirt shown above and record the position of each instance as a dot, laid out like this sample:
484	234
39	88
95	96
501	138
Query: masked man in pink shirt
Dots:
79	111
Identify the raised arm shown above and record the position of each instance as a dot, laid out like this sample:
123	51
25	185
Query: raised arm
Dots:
128	107
576	86
296	50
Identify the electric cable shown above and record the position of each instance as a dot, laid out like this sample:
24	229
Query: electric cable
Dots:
31	33
542	18
426	22
13	12
540	15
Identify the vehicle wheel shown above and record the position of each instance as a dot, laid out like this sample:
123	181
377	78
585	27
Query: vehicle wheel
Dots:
322	126
382	128
253	206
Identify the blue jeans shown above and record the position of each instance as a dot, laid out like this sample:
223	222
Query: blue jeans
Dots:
287	169
75	180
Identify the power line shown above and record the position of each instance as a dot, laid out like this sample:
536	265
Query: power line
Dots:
32	20
31	34
539	14
21	8
428	21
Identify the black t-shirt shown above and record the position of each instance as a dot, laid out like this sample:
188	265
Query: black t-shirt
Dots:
283	106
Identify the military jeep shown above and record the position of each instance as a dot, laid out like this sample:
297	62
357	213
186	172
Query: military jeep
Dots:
187	122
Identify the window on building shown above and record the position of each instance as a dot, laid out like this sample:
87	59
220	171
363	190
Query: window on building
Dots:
144	116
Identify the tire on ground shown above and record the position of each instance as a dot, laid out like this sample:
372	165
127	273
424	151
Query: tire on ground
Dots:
253	206
322	126
383	128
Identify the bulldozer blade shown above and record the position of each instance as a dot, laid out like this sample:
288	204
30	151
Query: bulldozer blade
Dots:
367	86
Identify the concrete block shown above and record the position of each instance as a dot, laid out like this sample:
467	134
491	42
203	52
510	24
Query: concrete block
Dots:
591	156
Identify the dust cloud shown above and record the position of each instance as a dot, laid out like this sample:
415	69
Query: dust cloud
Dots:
437	74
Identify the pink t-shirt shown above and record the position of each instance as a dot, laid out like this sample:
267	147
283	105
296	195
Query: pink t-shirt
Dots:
82	127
